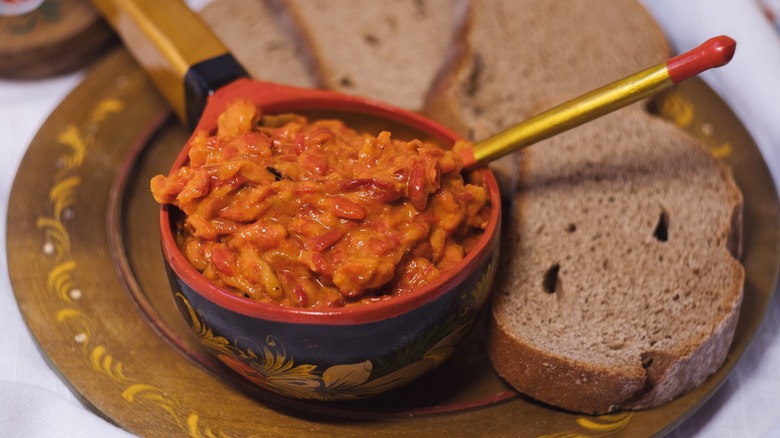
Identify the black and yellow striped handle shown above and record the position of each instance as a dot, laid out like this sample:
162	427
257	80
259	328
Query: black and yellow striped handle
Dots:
183	57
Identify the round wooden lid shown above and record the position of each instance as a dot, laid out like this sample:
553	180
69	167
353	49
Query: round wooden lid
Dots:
56	37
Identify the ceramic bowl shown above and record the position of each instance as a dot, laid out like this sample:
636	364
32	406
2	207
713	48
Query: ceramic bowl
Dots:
334	354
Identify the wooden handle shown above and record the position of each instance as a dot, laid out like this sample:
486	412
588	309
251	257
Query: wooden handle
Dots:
715	52
184	58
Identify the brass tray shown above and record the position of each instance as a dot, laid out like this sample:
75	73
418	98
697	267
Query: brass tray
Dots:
86	269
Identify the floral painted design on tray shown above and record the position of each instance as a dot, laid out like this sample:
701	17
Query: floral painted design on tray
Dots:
678	108
602	425
62	279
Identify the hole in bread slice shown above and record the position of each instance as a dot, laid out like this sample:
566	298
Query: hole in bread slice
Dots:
550	281
661	232
647	360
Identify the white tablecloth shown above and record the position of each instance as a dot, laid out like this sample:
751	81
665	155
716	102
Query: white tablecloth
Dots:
35	402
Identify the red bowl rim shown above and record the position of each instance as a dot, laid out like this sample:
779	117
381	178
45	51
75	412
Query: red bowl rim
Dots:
352	314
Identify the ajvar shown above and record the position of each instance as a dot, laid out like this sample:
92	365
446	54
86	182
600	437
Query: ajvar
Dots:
314	214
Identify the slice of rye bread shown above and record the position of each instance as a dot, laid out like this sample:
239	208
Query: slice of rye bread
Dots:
513	56
261	38
390	52
619	287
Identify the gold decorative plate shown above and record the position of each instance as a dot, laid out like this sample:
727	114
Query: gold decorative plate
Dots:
87	272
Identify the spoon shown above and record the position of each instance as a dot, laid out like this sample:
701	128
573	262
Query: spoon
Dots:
715	52
198	77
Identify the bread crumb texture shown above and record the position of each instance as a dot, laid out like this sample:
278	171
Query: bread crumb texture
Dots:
389	53
619	287
263	39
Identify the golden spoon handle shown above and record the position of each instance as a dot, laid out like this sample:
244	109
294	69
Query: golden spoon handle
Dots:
715	52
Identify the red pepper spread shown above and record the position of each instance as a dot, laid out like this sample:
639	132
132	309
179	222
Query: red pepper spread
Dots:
314	214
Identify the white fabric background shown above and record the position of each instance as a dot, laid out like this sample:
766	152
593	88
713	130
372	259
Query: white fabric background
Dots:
34	402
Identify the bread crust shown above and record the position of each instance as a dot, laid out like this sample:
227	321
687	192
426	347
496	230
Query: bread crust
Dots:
556	380
671	376
583	387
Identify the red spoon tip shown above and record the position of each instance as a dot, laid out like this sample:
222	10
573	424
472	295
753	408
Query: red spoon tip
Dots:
715	52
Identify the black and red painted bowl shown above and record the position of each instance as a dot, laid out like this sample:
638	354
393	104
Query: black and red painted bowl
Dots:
335	354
